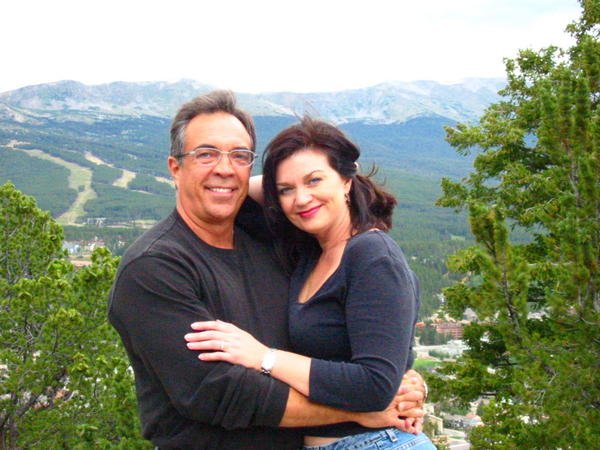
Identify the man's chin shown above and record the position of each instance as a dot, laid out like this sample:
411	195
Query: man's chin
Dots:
224	213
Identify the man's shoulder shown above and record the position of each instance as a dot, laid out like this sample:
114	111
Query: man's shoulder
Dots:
165	236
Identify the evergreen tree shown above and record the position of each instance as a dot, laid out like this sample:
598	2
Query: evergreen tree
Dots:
65	381
535	349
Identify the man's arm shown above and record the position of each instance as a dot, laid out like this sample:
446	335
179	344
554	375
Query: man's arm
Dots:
153	302
255	190
301	412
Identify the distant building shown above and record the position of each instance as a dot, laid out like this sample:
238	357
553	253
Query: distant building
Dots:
72	248
455	329
94	244
96	221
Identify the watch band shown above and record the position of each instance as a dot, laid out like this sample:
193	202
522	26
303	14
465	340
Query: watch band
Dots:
268	361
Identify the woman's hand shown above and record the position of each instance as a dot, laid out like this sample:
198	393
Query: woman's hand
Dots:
222	341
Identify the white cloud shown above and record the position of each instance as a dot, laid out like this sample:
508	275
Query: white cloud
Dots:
272	45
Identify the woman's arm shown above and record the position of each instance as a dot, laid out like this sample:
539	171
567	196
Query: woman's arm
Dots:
380	312
230	343
226	342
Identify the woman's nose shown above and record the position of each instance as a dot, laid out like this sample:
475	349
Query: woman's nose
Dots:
303	196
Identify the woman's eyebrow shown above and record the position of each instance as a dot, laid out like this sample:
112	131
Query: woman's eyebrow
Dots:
283	183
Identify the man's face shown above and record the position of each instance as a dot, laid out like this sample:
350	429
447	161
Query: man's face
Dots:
212	195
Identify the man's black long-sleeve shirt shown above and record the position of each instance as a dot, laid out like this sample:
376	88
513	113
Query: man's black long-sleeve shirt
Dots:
170	278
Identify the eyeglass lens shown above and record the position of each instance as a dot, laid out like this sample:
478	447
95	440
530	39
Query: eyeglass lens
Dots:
209	156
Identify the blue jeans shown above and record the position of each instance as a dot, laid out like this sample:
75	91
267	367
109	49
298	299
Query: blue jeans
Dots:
387	439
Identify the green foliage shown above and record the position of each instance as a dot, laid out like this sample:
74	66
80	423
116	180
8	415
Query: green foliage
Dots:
20	219
105	174
121	205
535	350
426	234
50	189
439	355
424	364
149	184
65	379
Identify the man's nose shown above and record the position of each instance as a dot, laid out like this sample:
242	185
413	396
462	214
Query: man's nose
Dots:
224	166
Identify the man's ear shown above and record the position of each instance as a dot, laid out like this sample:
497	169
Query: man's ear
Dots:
174	168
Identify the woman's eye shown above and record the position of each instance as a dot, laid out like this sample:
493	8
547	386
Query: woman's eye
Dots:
285	190
314	180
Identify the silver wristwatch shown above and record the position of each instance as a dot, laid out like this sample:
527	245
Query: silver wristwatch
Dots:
268	361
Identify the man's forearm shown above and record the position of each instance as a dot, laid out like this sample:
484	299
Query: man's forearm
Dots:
301	412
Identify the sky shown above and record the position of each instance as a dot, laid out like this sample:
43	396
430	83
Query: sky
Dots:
272	45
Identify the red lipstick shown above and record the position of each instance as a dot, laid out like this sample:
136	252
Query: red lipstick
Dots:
309	212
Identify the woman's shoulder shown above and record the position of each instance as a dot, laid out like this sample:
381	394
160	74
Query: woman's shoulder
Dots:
372	249
372	244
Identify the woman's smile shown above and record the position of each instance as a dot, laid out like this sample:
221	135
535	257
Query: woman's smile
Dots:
312	195
309	212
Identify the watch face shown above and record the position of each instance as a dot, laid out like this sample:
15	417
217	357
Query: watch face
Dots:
268	361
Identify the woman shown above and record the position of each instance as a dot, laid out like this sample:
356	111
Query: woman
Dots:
353	299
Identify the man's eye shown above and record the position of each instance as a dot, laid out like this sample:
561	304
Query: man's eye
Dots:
243	157
205	154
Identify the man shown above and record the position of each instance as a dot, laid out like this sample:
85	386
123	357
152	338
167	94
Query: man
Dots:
197	265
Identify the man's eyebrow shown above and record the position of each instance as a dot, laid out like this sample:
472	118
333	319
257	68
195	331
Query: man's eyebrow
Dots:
212	147
206	146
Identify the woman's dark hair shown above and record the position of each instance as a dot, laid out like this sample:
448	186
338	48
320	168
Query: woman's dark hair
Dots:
370	205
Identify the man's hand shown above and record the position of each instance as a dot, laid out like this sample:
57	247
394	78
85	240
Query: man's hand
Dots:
411	394
405	411
383	419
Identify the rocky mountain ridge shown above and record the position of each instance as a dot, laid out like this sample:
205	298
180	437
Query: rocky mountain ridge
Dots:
385	103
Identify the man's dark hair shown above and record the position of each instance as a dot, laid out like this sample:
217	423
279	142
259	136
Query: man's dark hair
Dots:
213	102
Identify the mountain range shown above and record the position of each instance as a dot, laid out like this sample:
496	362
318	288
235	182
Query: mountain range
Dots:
384	103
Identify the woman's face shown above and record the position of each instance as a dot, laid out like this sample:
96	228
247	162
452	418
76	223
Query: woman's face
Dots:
312	194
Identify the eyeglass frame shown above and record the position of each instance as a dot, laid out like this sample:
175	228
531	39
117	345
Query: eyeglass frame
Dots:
221	153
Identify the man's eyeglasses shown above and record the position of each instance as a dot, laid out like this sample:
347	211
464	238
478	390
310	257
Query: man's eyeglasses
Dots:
208	156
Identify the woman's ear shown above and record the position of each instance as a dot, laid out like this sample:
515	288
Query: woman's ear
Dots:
347	185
